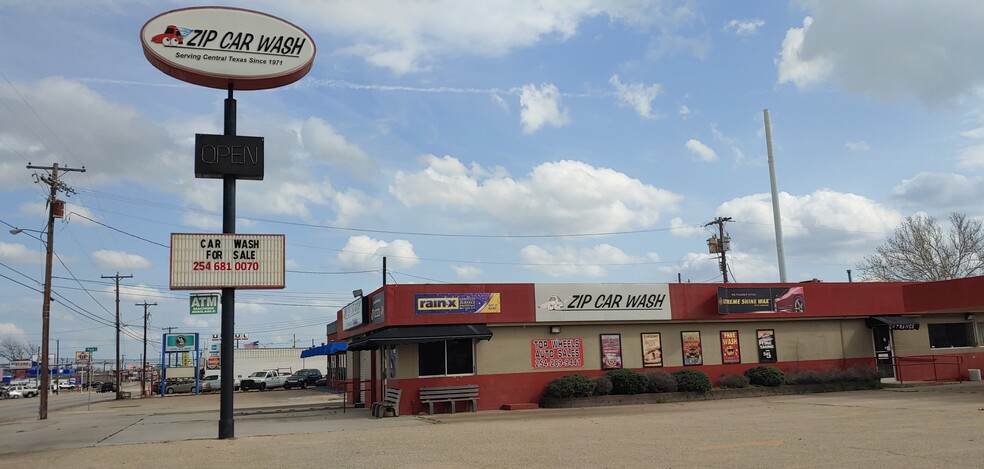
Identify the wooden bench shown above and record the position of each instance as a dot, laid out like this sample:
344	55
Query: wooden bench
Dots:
391	401
449	394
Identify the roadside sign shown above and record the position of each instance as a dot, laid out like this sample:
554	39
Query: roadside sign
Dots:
205	303
214	261
82	357
92	349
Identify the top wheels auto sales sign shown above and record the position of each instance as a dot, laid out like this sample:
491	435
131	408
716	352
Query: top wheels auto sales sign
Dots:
219	46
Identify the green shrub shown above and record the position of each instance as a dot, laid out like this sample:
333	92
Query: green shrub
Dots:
765	376
862	374
733	381
570	386
692	380
805	377
661	381
627	382
603	386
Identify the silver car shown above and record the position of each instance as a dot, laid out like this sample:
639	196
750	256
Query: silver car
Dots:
176	386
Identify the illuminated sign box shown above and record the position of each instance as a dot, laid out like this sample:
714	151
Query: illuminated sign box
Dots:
214	261
217	156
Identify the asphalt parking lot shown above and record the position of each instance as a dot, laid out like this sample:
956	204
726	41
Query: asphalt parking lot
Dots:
925	426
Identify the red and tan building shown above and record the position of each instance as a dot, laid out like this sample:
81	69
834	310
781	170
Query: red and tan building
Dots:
512	339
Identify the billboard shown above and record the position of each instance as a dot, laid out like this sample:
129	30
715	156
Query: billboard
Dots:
214	261
761	300
602	302
457	303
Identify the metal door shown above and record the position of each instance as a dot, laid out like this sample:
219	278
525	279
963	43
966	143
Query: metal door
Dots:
883	351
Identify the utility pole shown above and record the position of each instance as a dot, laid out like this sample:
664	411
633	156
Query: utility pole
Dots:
56	208
143	369
117	278
720	244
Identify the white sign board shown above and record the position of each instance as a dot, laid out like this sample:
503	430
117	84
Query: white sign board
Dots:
352	314
214	261
602	302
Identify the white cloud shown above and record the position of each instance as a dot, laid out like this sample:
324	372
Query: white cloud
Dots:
680	229
636	95
321	140
560	261
971	157
794	66
973	133
684	111
466	271
407	37
119	260
701	150
931	191
746	27
556	197
19	253
814	225
857	145
363	252
108	143
11	330
929	50
541	107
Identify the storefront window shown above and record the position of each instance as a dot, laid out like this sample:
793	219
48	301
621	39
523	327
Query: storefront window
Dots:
957	334
449	357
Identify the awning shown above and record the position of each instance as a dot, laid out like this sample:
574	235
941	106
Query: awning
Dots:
897	323
327	349
401	335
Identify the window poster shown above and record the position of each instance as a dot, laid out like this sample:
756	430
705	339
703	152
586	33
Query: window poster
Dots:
652	350
691	348
557	353
766	345
611	351
730	351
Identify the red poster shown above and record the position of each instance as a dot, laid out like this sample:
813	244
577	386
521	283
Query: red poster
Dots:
611	351
557	353
730	351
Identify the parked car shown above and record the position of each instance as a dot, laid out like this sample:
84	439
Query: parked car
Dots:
22	390
108	386
176	386
214	383
303	378
262	380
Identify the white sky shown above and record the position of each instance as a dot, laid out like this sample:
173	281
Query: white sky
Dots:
469	141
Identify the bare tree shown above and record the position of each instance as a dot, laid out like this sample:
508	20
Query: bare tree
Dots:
921	250
11	349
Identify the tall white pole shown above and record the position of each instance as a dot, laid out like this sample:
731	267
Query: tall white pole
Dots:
777	219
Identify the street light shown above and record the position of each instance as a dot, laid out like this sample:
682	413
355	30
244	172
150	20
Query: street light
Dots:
45	312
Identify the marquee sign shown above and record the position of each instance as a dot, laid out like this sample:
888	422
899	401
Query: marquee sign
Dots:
214	261
219	46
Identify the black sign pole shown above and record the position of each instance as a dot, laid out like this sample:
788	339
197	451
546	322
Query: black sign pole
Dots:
227	426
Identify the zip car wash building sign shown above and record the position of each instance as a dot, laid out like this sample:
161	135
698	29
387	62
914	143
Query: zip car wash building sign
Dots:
214	261
602	302
216	46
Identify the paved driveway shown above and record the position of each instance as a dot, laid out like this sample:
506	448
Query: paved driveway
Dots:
939	426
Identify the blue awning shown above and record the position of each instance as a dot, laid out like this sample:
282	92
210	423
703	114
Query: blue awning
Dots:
327	349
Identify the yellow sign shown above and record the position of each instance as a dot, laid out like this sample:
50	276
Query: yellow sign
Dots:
82	356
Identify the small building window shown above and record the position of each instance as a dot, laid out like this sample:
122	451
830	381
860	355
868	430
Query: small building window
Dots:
447	357
956	334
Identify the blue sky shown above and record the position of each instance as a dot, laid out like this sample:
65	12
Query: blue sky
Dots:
484	143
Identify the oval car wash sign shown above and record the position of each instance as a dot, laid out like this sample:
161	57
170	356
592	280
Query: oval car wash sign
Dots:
216	46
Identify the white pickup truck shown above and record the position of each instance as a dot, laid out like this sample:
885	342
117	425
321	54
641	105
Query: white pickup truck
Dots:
262	380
